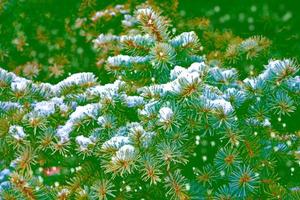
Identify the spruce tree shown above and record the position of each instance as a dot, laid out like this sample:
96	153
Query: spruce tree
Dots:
169	126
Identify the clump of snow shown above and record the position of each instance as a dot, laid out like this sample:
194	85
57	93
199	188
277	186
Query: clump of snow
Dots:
165	114
90	110
223	75
129	20
210	92
119	60
294	83
115	142
176	71
17	132
143	40
239	96
125	153
199	67
19	84
63	132
136	130
222	104
148	109
189	77
184	39
104	39
125	60
74	79
275	68
254	83
266	122
46	108
140	13
4	173
109	12
253	121
83	142
133	101
106	90
9	105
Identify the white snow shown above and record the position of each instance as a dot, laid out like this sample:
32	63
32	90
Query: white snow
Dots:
274	67
90	110
176	71
266	123
132	101
63	132
230	73
165	114
184	38
222	104
83	142
46	108
147	111
136	128
102	120
129	20
17	132
103	39
126	152
19	84
251	81
189	77
197	67
115	142
119	60
7	105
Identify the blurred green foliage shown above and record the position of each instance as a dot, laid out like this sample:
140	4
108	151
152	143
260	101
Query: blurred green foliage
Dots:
47	40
